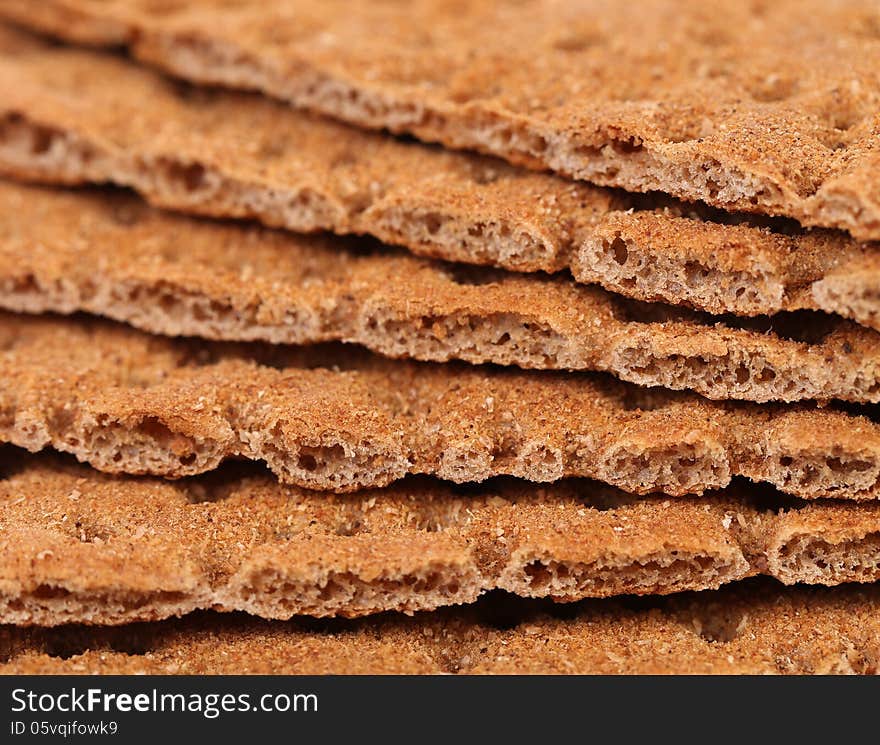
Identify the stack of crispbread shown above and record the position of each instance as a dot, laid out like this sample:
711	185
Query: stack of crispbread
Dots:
483	317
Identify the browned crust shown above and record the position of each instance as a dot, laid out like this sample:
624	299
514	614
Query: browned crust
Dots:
748	629
107	253
768	108
302	173
125	401
78	546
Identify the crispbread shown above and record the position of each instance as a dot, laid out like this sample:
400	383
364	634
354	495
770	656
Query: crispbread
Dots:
108	253
83	547
766	107
125	401
754	628
303	173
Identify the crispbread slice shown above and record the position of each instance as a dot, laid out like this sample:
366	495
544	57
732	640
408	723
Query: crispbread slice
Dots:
83	547
753	628
108	253
126	401
73	116
770	108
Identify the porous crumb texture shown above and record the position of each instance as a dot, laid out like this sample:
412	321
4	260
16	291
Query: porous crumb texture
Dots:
329	418
755	628
77	116
84	547
78	546
108	253
761	106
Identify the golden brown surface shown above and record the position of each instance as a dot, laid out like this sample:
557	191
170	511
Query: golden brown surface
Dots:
70	116
761	106
77	546
107	253
125	401
751	628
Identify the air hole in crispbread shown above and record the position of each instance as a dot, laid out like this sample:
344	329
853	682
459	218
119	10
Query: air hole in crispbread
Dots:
49	592
316	459
627	146
538	573
719	628
39	139
25	284
433	221
156	429
617	249
191	177
89	531
42	140
837	465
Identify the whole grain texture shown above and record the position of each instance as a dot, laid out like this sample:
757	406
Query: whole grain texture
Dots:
83	547
76	116
330	418
107	253
769	107
759	628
